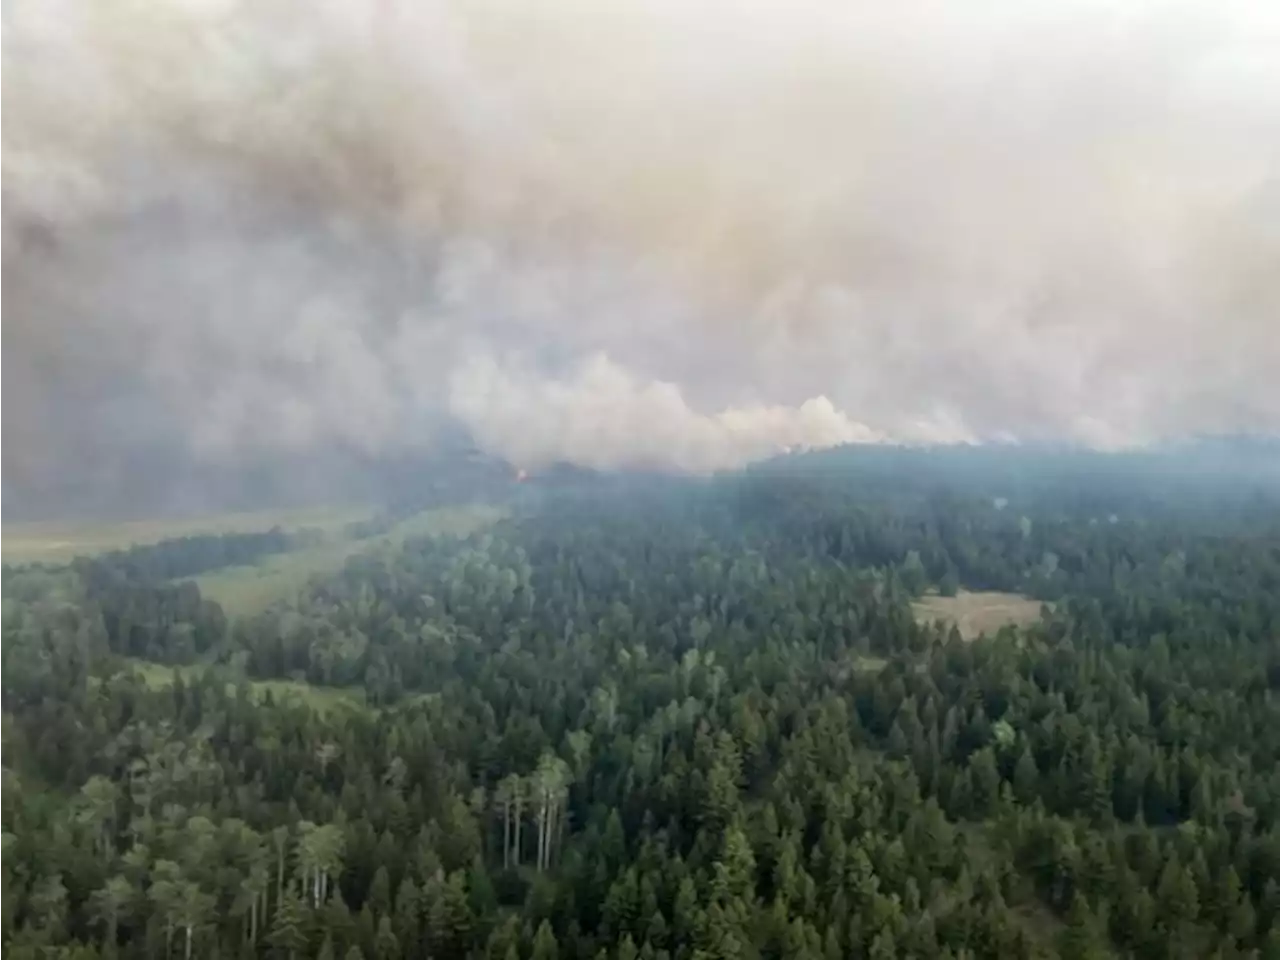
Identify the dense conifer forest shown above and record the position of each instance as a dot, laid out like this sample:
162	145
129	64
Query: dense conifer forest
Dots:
668	719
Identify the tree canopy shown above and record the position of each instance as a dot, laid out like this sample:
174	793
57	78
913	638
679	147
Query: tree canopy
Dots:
673	720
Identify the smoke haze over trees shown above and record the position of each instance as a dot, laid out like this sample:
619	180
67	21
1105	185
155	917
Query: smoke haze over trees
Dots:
661	235
696	719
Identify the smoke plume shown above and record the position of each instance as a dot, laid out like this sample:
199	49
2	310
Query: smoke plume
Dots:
670	234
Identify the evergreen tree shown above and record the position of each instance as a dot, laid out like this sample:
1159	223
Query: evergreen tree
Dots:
545	946
288	936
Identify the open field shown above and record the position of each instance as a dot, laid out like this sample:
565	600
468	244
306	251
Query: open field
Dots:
325	700
978	613
867	663
57	542
459	521
243	591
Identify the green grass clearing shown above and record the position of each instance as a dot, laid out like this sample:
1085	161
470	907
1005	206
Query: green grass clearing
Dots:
977	613
58	542
324	700
459	521
159	676
244	591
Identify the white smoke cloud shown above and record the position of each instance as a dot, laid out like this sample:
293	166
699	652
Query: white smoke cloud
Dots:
663	233
605	418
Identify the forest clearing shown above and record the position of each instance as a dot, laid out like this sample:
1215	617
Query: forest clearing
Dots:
60	541
978	612
250	588
325	701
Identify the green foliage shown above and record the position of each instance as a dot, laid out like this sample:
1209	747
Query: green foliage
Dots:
672	720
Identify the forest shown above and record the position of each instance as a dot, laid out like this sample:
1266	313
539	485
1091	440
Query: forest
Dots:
645	718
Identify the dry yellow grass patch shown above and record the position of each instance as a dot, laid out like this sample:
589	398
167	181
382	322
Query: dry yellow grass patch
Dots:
978	613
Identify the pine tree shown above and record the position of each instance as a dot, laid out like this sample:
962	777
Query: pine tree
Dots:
656	931
1082	939
386	945
337	918
449	920
1178	898
408	909
831	949
1026	777
366	929
379	896
109	903
288	936
545	946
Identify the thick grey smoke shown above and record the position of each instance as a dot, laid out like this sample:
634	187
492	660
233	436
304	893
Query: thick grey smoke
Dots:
670	234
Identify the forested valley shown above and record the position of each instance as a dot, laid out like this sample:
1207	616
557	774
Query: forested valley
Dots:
673	719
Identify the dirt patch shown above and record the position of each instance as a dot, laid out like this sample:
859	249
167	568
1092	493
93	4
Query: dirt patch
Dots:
978	613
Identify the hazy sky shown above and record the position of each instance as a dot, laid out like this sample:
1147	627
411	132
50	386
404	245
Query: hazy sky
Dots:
671	233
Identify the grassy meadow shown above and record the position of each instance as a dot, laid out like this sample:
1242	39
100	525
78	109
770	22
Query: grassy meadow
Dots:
243	591
246	590
59	541
976	613
325	700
